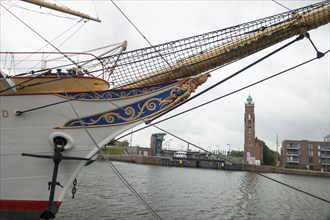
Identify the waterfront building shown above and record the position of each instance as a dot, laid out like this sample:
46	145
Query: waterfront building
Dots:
253	148
156	143
313	155
141	151
327	138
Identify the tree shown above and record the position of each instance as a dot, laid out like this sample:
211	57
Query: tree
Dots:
117	147
269	157
237	153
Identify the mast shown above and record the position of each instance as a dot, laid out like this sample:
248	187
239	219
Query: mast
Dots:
61	9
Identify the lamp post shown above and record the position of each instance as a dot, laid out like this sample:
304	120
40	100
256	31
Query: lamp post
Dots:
218	148
169	144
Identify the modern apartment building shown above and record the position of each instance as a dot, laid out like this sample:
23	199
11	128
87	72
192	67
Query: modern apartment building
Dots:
314	155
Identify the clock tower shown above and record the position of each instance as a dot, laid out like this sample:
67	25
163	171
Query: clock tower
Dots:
249	130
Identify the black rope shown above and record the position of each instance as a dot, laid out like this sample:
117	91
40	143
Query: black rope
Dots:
227	78
220	97
18	112
282	5
247	169
318	53
112	166
144	37
41	37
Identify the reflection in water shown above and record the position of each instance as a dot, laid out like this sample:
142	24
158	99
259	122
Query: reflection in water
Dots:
248	189
187	193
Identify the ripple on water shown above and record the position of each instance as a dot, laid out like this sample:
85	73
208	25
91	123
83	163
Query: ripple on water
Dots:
185	193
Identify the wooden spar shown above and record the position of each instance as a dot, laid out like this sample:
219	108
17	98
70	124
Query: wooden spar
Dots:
298	24
61	9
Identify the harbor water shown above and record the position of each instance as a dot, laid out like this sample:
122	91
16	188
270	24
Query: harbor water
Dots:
192	193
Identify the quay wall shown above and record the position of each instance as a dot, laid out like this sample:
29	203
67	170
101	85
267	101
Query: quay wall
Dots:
210	164
270	169
134	159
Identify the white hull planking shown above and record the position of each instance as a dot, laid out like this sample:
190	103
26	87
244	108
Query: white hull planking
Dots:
26	178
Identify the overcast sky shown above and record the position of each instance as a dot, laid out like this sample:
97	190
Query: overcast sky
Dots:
294	105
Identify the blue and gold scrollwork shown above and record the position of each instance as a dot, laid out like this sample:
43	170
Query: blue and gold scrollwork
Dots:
115	93
146	108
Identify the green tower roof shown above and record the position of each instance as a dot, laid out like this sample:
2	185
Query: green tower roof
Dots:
249	100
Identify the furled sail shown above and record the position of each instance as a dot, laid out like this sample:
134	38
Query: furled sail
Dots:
201	53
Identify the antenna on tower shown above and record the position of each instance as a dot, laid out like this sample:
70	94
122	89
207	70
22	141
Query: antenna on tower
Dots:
277	153
277	143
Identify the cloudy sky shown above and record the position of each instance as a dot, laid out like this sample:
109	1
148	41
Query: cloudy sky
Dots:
294	105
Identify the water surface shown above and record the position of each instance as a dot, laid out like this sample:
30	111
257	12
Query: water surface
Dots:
191	193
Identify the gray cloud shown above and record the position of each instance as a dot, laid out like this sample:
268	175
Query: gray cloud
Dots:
294	105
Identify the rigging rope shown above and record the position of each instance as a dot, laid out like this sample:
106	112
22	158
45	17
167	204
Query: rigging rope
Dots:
56	39
97	144
143	36
201	53
229	77
184	102
111	165
281	5
250	170
41	37
220	97
97	15
132	190
39	12
91	137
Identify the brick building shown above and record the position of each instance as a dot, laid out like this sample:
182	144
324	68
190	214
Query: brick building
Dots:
253	148
142	151
314	155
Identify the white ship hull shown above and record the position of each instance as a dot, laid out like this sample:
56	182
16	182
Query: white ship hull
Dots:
24	180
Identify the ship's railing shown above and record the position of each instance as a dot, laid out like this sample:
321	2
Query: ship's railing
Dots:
30	63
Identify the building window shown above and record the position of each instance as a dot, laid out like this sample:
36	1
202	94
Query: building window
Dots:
310	159
310	146
310	153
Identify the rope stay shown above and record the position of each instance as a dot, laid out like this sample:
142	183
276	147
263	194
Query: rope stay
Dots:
201	53
109	162
218	98
229	77
249	170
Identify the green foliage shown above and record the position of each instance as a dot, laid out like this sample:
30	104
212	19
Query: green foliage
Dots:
236	153
296	167
269	157
116	147
123	143
114	150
